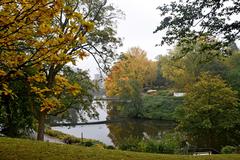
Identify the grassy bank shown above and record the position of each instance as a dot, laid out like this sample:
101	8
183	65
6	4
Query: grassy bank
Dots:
19	149
160	105
69	139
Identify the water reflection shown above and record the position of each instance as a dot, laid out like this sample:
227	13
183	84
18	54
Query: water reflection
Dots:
123	129
115	133
99	132
138	129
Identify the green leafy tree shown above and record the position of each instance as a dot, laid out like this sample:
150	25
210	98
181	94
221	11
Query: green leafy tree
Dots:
161	82
210	114
132	95
79	107
16	116
190	18
186	62
233	70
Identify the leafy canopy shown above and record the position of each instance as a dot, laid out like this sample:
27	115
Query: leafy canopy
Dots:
185	63
210	110
38	38
127	78
188	18
132	66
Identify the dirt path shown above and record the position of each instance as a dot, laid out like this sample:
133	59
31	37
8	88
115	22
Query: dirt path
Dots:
47	138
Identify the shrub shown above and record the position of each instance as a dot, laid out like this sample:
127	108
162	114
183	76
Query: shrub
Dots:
228	150
130	144
170	143
153	146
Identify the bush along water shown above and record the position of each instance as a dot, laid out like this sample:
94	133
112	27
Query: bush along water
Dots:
229	150
169	143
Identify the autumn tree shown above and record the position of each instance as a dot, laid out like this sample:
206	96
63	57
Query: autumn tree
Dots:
210	114
76	20
128	76
23	36
52	34
24	45
132	65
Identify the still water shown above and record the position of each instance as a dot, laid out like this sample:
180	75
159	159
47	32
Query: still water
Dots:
117	132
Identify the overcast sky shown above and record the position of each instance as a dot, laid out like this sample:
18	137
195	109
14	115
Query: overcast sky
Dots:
141	19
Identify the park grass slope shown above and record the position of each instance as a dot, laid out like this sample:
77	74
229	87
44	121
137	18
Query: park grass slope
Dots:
20	149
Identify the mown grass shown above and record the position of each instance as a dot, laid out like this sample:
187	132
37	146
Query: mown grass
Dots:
20	149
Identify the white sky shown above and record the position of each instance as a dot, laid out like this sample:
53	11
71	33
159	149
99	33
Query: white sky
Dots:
141	19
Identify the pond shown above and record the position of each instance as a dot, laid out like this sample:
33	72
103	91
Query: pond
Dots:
116	133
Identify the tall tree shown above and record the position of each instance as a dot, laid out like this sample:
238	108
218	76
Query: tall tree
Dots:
190	18
26	41
76	20
184	64
50	40
233	70
210	114
128	77
133	65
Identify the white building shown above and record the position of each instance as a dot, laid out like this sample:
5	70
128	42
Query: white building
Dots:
179	94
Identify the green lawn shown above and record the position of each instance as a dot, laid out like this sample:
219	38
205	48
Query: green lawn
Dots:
20	149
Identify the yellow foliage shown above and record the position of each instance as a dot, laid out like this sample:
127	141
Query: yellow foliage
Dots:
62	83
39	78
133	66
88	25
2	73
6	90
74	89
33	35
49	104
82	54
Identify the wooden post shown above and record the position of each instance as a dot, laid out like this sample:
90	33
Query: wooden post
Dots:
82	136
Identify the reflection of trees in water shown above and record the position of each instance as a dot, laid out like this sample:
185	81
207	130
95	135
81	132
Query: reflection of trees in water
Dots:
113	110
137	129
215	139
126	128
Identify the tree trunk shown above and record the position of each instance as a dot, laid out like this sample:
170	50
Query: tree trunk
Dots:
42	115
41	126
9	127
